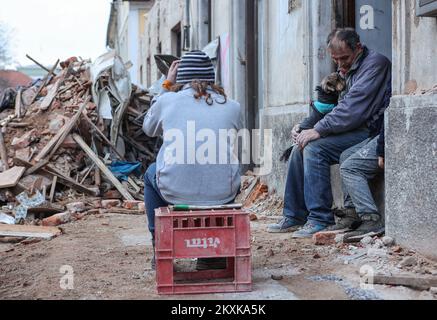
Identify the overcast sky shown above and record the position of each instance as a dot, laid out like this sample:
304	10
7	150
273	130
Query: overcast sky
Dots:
52	29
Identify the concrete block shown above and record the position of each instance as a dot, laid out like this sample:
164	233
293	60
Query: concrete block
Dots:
411	173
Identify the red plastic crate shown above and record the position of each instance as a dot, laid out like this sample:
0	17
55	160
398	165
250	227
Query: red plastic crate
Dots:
203	234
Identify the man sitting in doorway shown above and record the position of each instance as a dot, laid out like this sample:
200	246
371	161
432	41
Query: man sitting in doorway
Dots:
308	196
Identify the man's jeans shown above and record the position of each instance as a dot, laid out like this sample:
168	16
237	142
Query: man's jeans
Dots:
152	197
359	164
308	194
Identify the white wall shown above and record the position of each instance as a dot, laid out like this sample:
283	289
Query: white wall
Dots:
414	48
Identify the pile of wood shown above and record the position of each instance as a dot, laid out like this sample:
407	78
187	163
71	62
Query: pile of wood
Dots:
55	146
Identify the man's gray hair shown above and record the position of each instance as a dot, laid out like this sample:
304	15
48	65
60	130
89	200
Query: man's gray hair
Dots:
347	35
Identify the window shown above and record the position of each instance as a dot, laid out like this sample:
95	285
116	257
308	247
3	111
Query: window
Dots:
426	8
176	40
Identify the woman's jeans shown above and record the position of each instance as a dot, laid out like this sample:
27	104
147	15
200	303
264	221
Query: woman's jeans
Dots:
152	197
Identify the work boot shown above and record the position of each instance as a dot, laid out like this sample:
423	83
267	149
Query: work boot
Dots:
371	224
347	219
211	264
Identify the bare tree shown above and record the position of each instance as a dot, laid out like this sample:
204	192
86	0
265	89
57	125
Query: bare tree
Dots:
5	41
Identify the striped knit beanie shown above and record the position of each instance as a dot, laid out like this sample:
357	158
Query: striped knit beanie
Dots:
195	65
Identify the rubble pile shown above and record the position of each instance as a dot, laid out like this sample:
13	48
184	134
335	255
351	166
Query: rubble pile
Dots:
72	144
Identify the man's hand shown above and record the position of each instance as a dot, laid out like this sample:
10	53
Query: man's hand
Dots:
381	163
173	71
306	137
295	133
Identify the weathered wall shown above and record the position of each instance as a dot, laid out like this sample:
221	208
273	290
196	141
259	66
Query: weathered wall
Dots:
294	61
411	125
411	172
414	47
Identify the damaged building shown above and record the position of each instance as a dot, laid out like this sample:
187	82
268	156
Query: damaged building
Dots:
271	56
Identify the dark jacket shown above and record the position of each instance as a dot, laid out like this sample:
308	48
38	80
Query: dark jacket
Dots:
365	100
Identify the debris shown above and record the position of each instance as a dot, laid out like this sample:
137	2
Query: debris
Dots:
317	256
378	253
26	203
65	131
253	217
3	151
102	167
76	207
388	241
57	219
408	262
108	204
324	238
366	241
29	231
277	277
6	219
416	282
10	177
270	253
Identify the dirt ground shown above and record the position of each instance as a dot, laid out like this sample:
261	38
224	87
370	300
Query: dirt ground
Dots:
110	257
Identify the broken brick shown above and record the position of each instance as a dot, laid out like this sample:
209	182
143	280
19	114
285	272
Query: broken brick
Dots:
131	204
324	238
253	217
57	219
108	204
142	207
25	140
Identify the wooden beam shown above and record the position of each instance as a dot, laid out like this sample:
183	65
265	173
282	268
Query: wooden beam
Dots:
3	151
36	167
18	104
45	81
102	167
29	231
53	189
40	65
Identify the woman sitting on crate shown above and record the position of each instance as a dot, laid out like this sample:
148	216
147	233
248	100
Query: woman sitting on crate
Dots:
197	164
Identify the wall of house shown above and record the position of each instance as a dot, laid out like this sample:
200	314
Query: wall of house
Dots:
414	48
294	60
411	126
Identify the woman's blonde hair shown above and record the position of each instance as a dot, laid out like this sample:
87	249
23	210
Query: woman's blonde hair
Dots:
201	89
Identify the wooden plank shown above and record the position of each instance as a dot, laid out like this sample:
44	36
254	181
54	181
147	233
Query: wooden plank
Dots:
10	178
3	152
62	179
18	104
407	281
45	81
48	99
40	65
36	167
29	231
52	190
102	167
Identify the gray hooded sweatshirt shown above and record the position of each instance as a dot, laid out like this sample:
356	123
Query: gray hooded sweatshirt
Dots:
196	164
